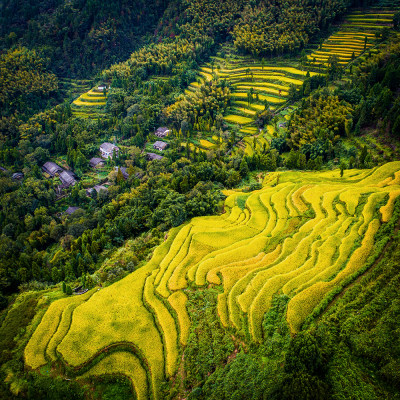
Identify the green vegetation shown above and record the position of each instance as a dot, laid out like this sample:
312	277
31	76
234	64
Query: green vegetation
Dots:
272	258
78	38
235	258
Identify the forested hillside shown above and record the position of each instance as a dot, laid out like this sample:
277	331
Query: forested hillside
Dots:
79	37
199	199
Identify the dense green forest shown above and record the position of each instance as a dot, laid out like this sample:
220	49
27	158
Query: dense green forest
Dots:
78	37
148	53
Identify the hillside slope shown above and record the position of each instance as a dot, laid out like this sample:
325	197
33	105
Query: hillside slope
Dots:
305	235
79	37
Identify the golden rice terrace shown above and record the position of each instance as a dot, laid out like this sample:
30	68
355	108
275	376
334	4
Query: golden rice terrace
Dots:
304	234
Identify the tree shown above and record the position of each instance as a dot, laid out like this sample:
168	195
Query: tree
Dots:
307	89
396	21
334	68
396	127
55	275
184	127
64	287
120	176
243	168
342	168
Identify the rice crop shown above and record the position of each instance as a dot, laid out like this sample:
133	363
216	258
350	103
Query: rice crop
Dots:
178	302
205	143
237	119
167	324
35	351
122	363
302	234
387	210
65	322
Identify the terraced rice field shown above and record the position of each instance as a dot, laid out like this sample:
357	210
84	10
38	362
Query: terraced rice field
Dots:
90	104
255	84
302	237
356	35
248	77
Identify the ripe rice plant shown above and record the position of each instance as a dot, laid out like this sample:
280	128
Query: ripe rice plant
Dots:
242	251
123	318
237	119
369	208
171	266
178	302
79	102
35	351
387	210
297	200
303	237
65	322
233	287
173	251
166	323
303	303
122	363
205	143
325	255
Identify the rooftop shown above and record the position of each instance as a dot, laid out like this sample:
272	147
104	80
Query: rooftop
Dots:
108	147
52	168
67	178
160	145
162	132
154	156
71	210
95	161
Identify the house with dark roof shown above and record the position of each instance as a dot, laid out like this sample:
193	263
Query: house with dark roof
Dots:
17	176
102	86
67	178
162	132
153	156
51	168
159	145
107	150
96	162
71	210
97	188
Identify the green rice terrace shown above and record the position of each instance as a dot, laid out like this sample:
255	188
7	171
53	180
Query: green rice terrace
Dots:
256	84
304	234
90	104
356	35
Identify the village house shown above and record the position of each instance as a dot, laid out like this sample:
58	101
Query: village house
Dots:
17	176
162	132
159	145
67	178
153	156
96	162
107	150
71	210
97	188
102	86
51	168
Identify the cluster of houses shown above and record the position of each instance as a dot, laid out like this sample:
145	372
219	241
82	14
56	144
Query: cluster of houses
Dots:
16	176
159	144
107	150
67	178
